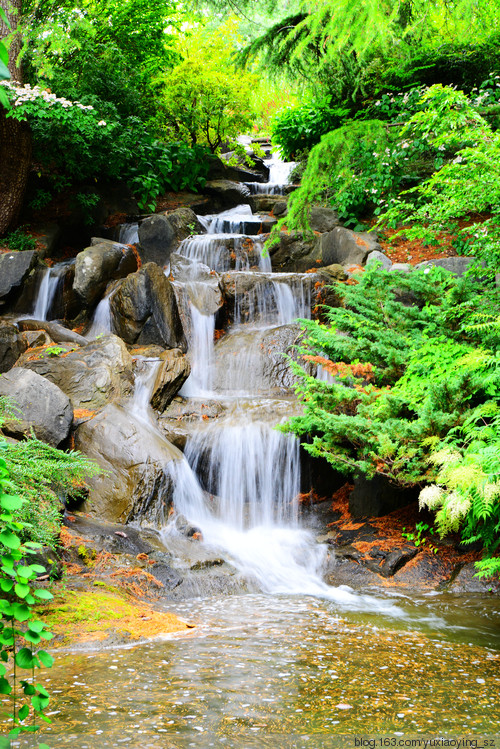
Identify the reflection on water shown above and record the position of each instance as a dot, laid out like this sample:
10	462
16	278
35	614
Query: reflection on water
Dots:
259	669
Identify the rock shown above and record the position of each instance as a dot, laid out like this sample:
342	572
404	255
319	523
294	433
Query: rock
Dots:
144	309
91	376
50	559
377	496
136	483
12	345
39	404
253	361
387	563
57	332
183	416
115	537
184	222
172	374
156	240
295	253
268	203
465	581
240	172
184	527
335	272
36	338
228	193
401	268
95	266
280	207
379	257
346	247
15	267
201	285
457	265
322	219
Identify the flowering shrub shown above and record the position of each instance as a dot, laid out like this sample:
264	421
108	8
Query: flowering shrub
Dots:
74	144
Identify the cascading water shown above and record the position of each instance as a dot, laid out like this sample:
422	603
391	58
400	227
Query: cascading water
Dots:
240	478
129	233
101	322
45	295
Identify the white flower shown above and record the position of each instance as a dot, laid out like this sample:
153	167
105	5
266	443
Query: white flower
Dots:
101	123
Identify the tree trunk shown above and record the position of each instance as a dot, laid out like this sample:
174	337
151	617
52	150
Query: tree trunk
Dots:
15	136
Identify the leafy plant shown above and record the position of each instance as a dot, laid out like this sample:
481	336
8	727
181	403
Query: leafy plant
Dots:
19	241
19	629
418	535
298	128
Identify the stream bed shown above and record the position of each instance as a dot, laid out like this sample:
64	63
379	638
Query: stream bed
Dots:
262	671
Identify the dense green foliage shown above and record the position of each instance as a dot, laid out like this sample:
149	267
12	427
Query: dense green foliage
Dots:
28	698
300	128
414	380
45	477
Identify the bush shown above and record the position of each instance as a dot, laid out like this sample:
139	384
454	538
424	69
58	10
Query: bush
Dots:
414	392
299	128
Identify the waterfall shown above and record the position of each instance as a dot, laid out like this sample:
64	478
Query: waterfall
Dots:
201	352
129	233
273	302
146	370
101	321
45	294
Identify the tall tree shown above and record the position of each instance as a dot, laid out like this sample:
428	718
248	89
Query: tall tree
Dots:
15	136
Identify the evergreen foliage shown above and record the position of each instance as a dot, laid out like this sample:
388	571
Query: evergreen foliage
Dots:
410	377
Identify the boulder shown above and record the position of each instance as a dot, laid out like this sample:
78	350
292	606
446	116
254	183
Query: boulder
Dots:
280	207
336	272
39	405
98	264
201	285
227	193
295	253
252	361
156	240
379	257
346	247
184	222
268	203
144	309
135	483
12	345
15	267
401	268
323	219
457	265
241	172
172	374
91	376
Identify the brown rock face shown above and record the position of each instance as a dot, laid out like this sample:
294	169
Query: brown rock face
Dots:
173	372
144	310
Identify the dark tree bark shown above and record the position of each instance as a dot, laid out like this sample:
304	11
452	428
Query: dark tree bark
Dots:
15	137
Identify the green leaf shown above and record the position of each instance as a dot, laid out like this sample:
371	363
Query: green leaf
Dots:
25	659
21	612
5	687
39	703
45	595
28	688
6	585
24	712
10	540
22	590
4	742
4	73
11	501
45	658
36	626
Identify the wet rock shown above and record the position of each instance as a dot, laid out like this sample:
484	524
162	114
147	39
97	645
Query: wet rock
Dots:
240	172
12	345
387	563
184	416
200	285
51	560
253	361
156	240
58	333
379	257
425	570
377	496
295	253
322	219
39	405
228	193
36	338
96	266
116	537
184	527
144	310
335	272
136	483
347	247
172	374
15	267
268	203
167	576
91	376
184	222
465	581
